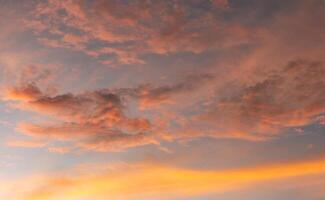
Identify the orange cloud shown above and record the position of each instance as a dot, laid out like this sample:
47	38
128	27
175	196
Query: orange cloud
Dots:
25	93
26	143
98	120
255	98
93	120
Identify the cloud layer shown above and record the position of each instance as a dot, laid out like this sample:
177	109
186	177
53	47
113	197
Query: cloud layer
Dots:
128	30
255	78
290	97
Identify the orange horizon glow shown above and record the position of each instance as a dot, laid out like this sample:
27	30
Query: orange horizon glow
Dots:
144	180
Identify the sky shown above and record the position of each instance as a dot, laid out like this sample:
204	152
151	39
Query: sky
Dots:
155	99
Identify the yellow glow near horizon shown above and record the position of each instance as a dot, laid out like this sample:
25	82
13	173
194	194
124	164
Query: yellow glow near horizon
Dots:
160	180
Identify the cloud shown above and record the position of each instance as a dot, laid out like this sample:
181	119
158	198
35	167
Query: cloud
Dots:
274	84
25	93
162	182
26	83
98	120
291	97
128	30
90	115
59	150
117	142
26	143
149	95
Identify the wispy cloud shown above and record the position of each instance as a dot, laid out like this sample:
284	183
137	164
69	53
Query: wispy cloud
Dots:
131	29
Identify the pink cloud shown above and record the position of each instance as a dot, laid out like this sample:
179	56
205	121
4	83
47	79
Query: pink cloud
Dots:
291	97
130	30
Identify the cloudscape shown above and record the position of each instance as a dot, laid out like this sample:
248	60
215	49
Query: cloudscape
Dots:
162	99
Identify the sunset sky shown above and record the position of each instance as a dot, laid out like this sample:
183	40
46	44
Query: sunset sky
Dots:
162	99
